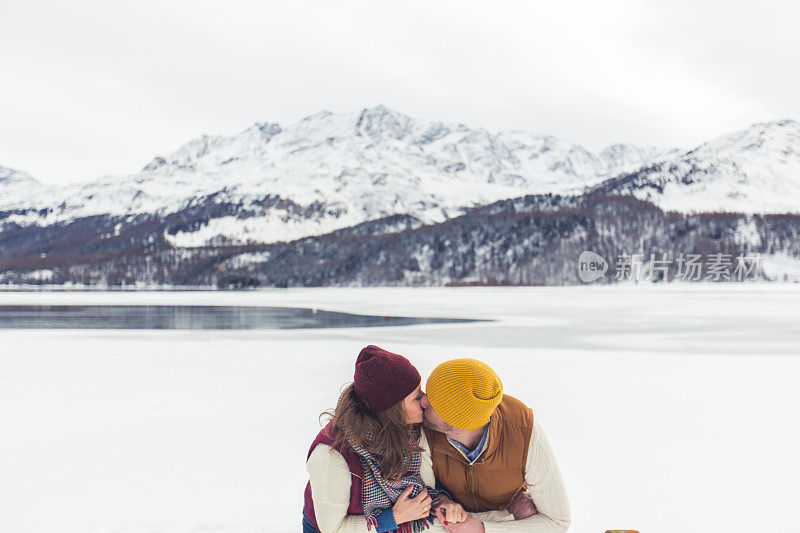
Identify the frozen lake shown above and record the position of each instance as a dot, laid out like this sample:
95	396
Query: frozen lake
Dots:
192	317
672	408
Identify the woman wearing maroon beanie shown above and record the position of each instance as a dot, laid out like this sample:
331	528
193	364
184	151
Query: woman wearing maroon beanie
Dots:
364	466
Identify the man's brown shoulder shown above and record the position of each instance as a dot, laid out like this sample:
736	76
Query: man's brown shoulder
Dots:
514	411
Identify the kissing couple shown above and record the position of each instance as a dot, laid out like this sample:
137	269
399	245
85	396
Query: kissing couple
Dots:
460	457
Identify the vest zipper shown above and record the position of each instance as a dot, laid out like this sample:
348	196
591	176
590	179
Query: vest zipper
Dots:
471	476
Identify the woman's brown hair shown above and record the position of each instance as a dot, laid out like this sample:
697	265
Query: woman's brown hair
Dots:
385	434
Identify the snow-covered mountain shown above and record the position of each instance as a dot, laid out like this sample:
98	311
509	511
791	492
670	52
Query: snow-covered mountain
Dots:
330	171
755	170
19	189
15	184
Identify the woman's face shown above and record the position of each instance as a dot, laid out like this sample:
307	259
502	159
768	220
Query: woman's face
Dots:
413	408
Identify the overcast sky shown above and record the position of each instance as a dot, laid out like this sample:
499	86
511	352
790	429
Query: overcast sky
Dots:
96	88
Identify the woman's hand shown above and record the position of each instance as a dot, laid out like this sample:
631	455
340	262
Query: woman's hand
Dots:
450	511
406	509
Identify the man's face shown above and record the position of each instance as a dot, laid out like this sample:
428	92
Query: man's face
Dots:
432	419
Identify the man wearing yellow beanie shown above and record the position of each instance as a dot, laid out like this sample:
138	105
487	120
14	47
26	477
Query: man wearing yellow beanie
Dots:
489	455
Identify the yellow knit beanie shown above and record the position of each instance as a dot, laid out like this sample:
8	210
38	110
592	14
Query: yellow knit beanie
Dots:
464	392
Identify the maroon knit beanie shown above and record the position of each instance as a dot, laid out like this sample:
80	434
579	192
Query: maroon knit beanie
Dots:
383	379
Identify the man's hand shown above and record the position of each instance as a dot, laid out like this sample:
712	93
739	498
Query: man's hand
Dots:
470	525
522	506
452	511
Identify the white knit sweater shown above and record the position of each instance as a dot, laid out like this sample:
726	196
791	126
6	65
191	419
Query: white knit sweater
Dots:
330	488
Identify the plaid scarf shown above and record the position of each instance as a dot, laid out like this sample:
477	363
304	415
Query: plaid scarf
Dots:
379	494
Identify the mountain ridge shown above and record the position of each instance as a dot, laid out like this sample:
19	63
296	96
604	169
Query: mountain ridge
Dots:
754	170
351	167
330	171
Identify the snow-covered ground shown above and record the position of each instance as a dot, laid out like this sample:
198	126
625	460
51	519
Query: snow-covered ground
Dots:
670	408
